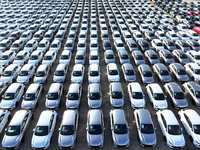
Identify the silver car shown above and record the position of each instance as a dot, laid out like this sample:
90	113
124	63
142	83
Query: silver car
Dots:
128	72
54	96
145	73
94	95
31	96
162	73
17	127
119	128
95	128
138	57
109	56
42	74
145	127
68	129
60	73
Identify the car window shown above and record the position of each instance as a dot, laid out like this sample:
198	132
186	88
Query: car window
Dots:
188	120
24	122
1	118
163	120
51	122
138	119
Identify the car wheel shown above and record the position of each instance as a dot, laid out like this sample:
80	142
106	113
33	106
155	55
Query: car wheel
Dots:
32	117
165	139
22	139
190	138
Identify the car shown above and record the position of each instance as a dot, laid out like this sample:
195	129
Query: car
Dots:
55	46
132	46
60	73
170	128
145	128
171	35
12	96
95	128
21	58
193	35
49	58
160	35
5	45
26	36
60	36
119	128
180	56
182	45
30	46
152	57
26	73
182	27
10	73
94	73
65	57
44	129
14	36
190	121
94	45
169	45
176	95
17	45
123	57
31	96
5	117
179	72
119	45
157	45
156	96
73	96
116	95
38	36
128	72
143	45
145	73
193	69
112	72
68	129
54	95
194	56
106	45
35	57
16	129
82	45
77	73
138	57
194	45
162	73
136	95
94	95
4	35
166	57
137	36
43	46
109	56
94	57
6	58
80	57
41	74
149	35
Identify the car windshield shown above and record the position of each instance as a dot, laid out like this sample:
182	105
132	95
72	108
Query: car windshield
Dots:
53	96
7	73
164	72
3	45
137	95
9	96
42	45
107	45
23	73
147	74
94	73
77	73
139	57
124	56
81	45
184	56
95	129
29	45
19	57
64	57
94	57
120	129
168	56
94	96
174	130
159	96
109	56
179	95
73	96
4	57
94	45
147	128
159	44
154	56
181	72
196	129
67	130
29	96
40	74
33	57
117	95
197	71
60	73
13	130
15	45
47	57
79	57
41	130
54	45
113	72
129	72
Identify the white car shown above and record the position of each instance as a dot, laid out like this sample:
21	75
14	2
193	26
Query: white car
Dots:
43	46
77	74
35	58
128	72
30	46
26	36
157	44
21	58
65	57
5	117
136	95
172	132
12	96
49	58
42	73
191	122
7	57
194	56
193	35
94	57
55	46
112	72
193	69
44	129
94	73
156	96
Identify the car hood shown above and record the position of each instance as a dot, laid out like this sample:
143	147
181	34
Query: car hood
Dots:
77	79
169	61
110	61
177	140
22	78
39	79
131	78
5	79
6	103
166	78
94	79
148	139
10	141
138	102
161	103
66	140
182	103
139	62
184	77
121	139
28	104
52	103
148	79
94	103
95	140
72	103
3	62
39	141
117	102
114	77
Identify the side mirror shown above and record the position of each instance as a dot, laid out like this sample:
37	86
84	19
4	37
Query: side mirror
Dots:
59	129
46	96
86	129
33	130
5	129
155	128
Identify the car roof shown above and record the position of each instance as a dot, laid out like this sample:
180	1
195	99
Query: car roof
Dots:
161	66
74	88
144	116
78	67
33	87
42	67
194	65
10	67
116	86
112	66
18	117
118	116
54	87
195	85
13	87
156	87
45	117
175	87
61	66
193	116
66	52
178	66
145	67
26	67
169	117
94	87
49	53
136	87
69	117
95	116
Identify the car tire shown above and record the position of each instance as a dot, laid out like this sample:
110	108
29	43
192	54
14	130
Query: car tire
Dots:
165	139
